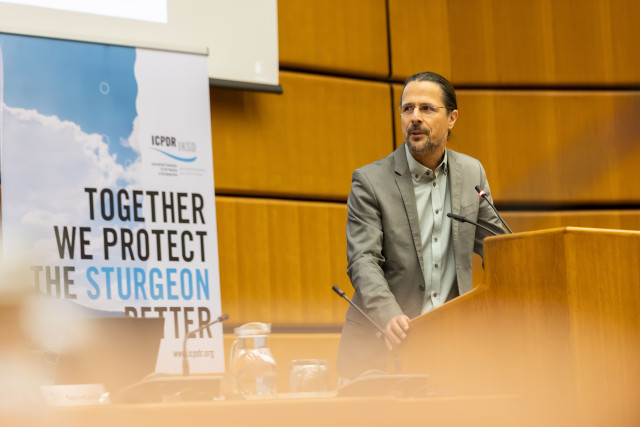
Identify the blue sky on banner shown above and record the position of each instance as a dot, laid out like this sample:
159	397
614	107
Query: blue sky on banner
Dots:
90	85
69	116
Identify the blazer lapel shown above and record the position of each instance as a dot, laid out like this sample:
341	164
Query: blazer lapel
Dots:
405	185
455	181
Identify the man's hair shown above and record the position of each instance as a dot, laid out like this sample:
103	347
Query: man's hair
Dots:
448	92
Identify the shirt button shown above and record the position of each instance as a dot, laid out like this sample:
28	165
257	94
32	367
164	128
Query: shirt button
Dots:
436	265
434	184
428	172
437	210
422	287
435	295
435	239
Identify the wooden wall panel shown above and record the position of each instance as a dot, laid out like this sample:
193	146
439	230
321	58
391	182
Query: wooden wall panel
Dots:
612	219
502	42
551	147
338	36
304	143
419	37
396	90
555	147
279	259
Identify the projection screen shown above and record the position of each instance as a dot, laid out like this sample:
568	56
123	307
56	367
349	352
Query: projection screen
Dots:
239	36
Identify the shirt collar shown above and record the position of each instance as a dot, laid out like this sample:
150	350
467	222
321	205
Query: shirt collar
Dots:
417	169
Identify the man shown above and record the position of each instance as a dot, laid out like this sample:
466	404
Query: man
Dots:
405	256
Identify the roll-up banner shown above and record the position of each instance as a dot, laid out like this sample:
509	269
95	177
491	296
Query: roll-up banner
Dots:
107	184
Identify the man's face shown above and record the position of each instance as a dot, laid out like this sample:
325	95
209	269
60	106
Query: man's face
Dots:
426	127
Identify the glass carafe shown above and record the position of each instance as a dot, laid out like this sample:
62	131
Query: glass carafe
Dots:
253	369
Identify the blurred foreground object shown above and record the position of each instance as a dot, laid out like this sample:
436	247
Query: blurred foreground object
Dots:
25	361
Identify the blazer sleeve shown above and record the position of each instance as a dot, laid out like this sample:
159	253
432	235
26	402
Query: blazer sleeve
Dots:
365	252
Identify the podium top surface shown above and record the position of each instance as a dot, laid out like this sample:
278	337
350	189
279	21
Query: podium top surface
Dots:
567	230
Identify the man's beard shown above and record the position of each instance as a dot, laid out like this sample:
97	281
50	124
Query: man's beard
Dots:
426	146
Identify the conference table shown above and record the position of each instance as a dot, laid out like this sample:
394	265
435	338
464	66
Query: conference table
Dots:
283	411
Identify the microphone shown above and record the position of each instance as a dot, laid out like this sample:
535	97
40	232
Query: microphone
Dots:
185	360
483	194
463	219
396	357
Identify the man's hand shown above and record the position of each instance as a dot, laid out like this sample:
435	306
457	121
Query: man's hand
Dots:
396	329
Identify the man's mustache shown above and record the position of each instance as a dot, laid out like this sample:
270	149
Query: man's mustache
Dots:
414	128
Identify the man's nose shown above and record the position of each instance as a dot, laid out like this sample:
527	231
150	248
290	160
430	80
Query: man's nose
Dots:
416	116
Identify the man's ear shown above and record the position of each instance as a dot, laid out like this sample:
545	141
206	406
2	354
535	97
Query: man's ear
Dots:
453	116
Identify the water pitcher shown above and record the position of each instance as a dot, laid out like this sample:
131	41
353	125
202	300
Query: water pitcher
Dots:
253	370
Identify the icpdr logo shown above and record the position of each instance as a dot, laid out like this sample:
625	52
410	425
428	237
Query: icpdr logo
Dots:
170	144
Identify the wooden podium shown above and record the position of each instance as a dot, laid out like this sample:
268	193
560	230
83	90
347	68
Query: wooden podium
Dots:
556	321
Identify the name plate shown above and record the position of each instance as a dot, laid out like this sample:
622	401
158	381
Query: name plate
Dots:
74	394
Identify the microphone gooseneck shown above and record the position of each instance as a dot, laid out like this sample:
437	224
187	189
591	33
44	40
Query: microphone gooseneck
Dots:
185	360
463	219
396	357
483	194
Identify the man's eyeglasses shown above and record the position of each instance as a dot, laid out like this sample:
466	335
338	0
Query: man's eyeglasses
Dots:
424	109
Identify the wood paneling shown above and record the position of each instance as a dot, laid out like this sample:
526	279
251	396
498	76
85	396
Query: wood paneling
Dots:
419	37
551	147
609	219
504	42
554	147
339	36
304	143
279	259
396	90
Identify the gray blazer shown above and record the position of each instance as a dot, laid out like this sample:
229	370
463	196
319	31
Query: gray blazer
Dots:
384	249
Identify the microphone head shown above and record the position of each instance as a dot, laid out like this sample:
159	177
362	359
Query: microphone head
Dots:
337	290
223	317
457	217
480	191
